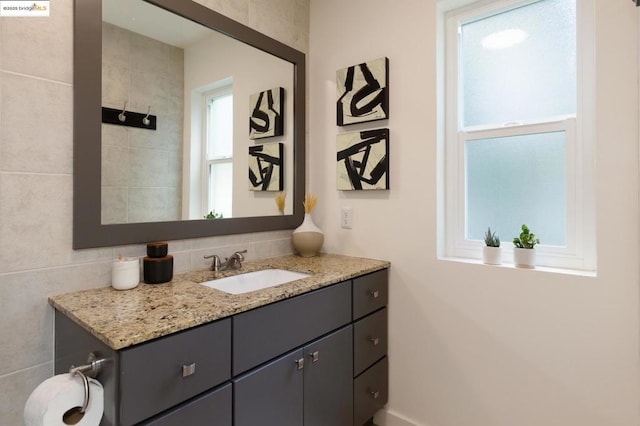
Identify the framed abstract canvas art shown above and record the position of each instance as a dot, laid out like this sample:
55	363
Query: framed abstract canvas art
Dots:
266	171
267	113
363	160
363	92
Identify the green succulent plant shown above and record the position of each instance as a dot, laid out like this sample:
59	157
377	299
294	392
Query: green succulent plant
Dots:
213	215
491	239
527	239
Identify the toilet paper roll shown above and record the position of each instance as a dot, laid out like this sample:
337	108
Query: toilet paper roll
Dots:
54	397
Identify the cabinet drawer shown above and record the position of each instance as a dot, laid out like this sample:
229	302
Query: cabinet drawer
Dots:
264	333
370	292
211	409
370	392
157	375
369	340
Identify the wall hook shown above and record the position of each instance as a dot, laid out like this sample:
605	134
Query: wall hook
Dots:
129	118
146	120
121	116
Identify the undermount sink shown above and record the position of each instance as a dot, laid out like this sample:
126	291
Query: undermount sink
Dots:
251	281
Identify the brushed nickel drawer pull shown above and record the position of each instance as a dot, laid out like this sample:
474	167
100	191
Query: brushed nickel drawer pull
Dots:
374	340
188	370
300	363
374	394
374	294
315	356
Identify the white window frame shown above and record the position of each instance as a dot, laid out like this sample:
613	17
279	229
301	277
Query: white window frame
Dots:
579	252
207	99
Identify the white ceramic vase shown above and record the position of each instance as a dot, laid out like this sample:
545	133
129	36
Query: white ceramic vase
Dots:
492	255
524	258
307	239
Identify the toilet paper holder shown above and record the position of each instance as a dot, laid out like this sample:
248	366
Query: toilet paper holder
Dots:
91	369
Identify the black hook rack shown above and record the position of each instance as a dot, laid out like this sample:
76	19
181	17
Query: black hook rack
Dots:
131	119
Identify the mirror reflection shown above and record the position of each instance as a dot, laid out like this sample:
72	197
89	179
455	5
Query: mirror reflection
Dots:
198	84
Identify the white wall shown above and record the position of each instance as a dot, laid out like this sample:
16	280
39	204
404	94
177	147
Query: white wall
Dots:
36	117
470	344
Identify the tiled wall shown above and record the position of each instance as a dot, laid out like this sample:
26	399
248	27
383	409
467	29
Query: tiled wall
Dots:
141	168
36	258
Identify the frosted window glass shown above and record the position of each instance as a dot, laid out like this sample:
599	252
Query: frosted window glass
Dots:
533	79
220	131
515	180
220	188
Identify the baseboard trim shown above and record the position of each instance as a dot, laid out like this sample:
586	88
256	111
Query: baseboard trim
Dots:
391	418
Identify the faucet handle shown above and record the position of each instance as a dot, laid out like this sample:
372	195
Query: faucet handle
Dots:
239	255
215	264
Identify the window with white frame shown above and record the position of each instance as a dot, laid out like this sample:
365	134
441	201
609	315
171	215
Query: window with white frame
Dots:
517	138
218	155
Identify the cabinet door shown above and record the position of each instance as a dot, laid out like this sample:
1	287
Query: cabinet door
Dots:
328	380
271	395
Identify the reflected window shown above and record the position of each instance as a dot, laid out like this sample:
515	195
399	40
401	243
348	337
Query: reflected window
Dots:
218	167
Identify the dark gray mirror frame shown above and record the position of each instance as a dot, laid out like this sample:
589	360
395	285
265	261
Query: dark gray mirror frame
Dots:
88	231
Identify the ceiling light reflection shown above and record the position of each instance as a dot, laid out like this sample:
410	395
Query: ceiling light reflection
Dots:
504	39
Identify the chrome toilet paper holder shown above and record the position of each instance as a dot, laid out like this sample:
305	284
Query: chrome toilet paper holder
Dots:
91	369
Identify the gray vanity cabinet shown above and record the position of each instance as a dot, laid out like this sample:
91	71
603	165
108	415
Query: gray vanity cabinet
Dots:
371	370
311	386
157	375
316	359
269	331
153	377
212	408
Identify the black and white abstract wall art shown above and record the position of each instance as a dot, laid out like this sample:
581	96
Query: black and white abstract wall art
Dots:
266	168
363	92
267	113
363	160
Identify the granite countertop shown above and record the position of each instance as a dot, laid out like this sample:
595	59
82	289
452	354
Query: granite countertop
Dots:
125	318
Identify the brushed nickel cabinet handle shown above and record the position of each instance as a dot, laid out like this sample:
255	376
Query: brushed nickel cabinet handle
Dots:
374	294
188	370
315	356
299	363
375	341
374	394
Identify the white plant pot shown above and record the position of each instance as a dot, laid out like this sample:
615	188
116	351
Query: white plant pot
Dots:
524	258
492	255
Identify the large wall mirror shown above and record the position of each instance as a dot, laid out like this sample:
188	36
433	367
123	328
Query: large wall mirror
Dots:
164	94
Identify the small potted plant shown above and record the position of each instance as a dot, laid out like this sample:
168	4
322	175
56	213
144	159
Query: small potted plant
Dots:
524	254
491	252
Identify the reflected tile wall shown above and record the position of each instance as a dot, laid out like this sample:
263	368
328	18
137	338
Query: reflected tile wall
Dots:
36	259
144	73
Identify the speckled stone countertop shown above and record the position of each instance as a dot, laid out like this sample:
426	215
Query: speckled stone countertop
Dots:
125	318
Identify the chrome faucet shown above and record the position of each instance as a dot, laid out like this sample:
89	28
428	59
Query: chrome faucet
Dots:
232	262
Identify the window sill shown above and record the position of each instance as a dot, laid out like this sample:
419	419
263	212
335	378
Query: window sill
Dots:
505	265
